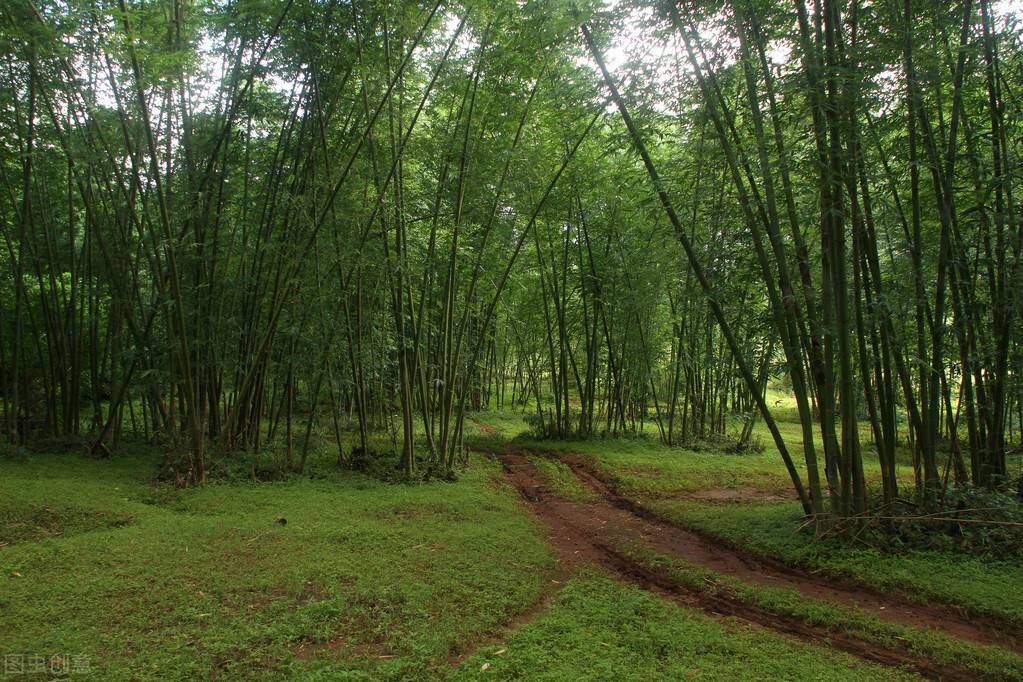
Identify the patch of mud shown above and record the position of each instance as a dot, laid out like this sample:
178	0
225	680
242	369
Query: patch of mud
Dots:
488	429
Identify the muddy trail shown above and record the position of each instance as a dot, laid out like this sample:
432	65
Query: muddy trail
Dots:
727	559
588	534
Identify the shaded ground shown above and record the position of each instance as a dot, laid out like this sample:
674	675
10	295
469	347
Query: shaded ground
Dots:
584	534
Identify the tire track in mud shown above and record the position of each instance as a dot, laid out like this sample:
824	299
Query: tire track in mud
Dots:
726	558
585	534
501	632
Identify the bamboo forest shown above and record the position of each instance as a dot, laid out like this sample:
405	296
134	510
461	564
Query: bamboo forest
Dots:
511	339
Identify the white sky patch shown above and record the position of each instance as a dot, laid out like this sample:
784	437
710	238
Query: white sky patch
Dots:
636	53
635	50
1004	8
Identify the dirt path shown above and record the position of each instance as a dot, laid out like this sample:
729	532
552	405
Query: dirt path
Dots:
488	429
723	558
583	534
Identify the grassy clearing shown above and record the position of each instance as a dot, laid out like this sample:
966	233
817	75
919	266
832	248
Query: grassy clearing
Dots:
365	579
989	662
600	630
495	426
371	580
642	465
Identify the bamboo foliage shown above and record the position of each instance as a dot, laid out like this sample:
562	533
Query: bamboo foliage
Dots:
231	228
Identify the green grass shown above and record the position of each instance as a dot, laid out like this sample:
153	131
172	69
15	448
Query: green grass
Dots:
641	466
374	580
600	630
986	661
563	482
495	426
366	580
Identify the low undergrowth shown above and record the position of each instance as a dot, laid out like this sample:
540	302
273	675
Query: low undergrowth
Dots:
965	519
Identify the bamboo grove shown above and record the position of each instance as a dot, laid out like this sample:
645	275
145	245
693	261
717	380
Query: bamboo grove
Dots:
237	224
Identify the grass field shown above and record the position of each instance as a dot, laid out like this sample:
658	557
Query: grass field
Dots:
123	578
335	574
364	578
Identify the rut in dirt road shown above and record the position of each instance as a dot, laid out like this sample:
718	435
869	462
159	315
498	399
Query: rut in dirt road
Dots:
584	534
714	554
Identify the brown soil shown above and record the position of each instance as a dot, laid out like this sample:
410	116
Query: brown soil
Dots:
584	534
488	429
